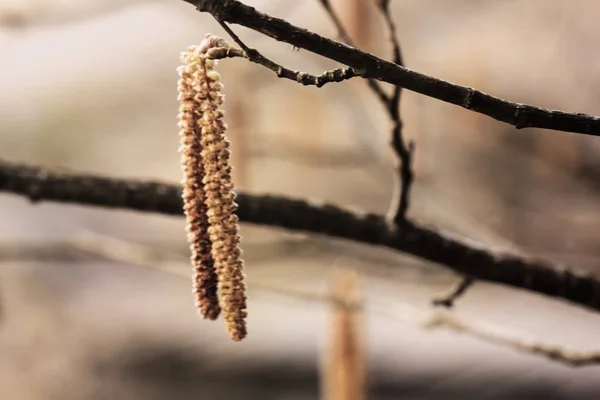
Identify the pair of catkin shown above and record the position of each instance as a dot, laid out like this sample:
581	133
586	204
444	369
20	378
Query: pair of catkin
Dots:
208	196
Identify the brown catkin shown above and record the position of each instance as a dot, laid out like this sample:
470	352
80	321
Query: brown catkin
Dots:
221	223
205	278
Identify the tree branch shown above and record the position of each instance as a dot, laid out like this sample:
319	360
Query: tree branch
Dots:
460	255
516	114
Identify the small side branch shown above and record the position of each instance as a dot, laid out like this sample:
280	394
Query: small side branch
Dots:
463	256
460	289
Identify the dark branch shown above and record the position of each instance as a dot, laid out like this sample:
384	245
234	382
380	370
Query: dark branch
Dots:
516	114
460	255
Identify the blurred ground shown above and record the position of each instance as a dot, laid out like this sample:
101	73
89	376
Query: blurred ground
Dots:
90	86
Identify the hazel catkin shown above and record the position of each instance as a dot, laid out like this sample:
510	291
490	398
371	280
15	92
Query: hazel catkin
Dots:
209	199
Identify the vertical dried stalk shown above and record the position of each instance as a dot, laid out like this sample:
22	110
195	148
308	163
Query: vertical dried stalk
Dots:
344	369
209	198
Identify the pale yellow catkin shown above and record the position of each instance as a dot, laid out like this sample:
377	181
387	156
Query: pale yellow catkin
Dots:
221	223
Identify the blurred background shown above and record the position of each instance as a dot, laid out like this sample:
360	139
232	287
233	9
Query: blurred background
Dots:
97	304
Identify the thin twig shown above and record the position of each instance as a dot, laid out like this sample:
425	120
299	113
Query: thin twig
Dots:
460	289
516	114
123	251
551	352
253	55
461	255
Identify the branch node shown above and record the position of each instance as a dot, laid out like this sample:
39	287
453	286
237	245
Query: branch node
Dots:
468	100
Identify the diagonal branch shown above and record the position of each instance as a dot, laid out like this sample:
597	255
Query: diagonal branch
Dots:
516	114
460	255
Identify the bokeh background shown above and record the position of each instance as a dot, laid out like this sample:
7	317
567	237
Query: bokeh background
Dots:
96	304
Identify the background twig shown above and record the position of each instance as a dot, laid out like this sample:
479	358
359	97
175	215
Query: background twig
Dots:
403	151
551	352
110	248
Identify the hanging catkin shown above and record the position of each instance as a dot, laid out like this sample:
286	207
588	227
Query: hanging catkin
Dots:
209	199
